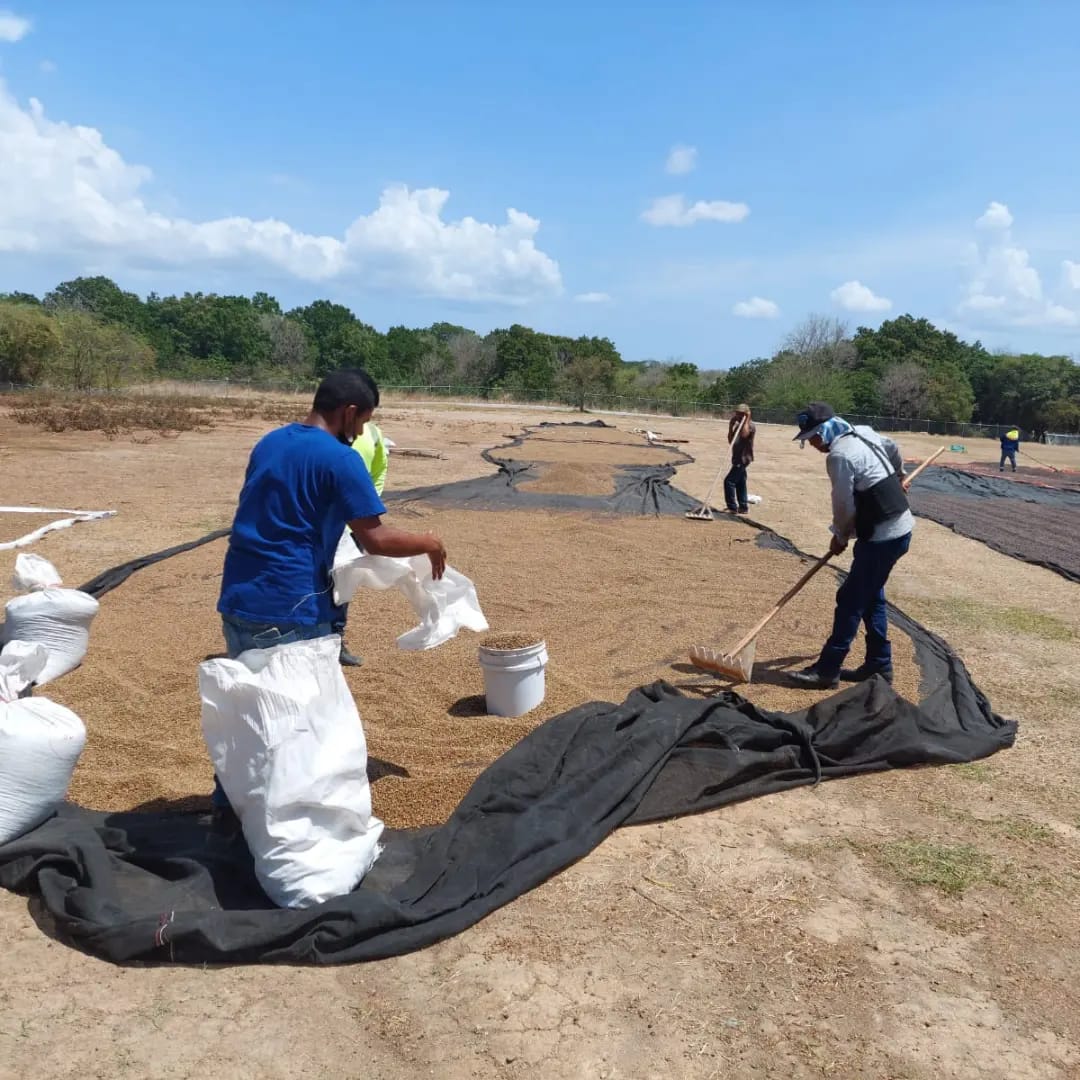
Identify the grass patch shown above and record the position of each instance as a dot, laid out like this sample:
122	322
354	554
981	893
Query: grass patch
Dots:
952	868
974	770
1022	828
1005	620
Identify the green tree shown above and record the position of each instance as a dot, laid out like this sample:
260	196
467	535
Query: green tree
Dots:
584	376
28	343
790	383
265	304
745	382
525	360
93	353
291	353
341	340
99	296
1021	389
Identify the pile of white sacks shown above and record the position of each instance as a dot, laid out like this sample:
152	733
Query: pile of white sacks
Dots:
45	635
281	725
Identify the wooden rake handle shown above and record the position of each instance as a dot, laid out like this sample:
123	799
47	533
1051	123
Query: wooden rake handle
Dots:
910	478
796	588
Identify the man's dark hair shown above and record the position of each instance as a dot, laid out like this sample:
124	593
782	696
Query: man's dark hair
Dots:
347	386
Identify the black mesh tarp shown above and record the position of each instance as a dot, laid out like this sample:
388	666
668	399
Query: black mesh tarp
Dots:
1028	522
166	887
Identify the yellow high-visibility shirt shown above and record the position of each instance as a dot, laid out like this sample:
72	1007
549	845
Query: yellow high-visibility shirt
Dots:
371	448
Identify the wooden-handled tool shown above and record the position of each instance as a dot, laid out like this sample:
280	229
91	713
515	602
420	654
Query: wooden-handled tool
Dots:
910	478
704	511
739	663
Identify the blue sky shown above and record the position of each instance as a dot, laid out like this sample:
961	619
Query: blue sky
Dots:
690	180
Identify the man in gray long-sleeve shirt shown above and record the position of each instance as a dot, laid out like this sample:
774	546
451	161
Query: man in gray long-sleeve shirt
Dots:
869	502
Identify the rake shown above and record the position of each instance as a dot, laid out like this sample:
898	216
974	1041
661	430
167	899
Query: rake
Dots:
1044	464
739	663
704	511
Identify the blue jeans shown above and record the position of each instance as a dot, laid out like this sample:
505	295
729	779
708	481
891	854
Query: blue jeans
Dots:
241	635
735	488
861	598
1010	456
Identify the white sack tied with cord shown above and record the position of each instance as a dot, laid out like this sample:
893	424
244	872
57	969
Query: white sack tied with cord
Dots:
287	745
40	744
49	615
444	607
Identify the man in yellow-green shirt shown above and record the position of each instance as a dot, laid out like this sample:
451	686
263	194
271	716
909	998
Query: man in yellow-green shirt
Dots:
371	446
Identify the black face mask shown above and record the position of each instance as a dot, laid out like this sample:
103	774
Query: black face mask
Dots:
344	438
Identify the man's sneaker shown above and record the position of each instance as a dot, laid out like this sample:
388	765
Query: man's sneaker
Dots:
347	659
812	679
864	672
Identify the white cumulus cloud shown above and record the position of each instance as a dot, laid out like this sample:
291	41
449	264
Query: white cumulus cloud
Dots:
855	296
13	27
996	216
681	160
674	210
756	307
64	190
1004	287
593	298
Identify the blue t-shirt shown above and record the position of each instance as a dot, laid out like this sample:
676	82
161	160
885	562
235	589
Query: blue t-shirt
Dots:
301	489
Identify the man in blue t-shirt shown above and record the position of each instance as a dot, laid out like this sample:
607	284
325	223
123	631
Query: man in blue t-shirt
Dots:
304	484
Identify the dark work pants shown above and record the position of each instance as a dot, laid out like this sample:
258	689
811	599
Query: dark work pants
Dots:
1010	456
861	598
735	488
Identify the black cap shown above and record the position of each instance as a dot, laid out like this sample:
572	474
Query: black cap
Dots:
811	418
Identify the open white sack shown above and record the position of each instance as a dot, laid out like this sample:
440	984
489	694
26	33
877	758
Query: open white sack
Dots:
49	615
287	745
40	744
444	607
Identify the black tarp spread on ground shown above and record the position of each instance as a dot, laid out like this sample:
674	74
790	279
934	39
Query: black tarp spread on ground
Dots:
639	489
1035	524
969	485
164	886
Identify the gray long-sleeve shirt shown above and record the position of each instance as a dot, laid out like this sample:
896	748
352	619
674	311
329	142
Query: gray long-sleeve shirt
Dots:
853	466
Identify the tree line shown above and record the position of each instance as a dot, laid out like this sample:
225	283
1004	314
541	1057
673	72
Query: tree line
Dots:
89	333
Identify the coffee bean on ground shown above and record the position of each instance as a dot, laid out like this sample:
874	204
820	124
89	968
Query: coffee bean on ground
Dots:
506	642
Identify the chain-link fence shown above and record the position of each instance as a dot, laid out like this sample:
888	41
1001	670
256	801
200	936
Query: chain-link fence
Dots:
633	404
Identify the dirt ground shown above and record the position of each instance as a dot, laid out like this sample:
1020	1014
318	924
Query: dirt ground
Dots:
916	924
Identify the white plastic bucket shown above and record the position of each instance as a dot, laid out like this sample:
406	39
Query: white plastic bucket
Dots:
513	678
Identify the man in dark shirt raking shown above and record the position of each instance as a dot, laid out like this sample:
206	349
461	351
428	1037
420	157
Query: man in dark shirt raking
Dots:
741	432
304	484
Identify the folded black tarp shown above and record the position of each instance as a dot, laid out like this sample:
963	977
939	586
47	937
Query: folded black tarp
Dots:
165	887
